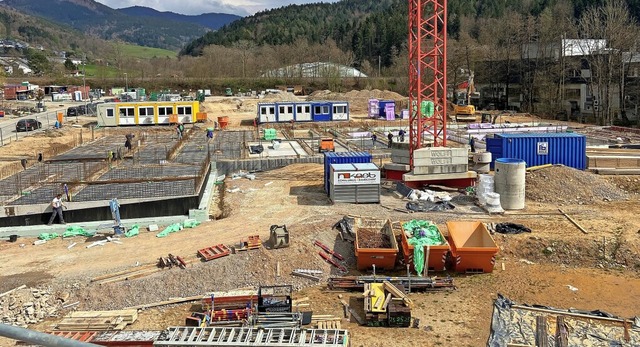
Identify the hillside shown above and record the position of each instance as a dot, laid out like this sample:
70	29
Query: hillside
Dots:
213	21
37	32
101	21
372	30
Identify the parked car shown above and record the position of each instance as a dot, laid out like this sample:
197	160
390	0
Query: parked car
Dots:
72	112
28	125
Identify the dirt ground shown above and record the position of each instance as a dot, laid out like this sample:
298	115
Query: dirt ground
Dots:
603	264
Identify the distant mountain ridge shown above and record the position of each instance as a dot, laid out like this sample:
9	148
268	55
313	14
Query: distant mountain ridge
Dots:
154	29
212	21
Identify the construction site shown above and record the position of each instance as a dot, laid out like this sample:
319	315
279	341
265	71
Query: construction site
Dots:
245	221
363	218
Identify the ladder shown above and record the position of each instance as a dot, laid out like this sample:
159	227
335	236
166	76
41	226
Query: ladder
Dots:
237	337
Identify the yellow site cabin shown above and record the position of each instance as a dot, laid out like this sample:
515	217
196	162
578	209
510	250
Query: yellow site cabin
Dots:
113	114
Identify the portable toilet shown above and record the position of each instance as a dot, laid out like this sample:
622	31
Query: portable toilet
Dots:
303	112
340	111
383	108
285	112
266	113
390	111
321	111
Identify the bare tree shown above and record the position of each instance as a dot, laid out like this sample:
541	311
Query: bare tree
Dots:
608	32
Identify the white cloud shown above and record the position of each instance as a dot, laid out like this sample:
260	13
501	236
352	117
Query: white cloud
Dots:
195	7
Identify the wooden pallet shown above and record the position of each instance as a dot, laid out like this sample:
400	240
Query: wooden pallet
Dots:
97	320
214	252
252	242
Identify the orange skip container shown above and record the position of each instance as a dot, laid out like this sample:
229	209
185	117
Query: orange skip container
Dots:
472	247
437	254
384	258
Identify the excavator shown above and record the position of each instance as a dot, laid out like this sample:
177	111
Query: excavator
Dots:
464	110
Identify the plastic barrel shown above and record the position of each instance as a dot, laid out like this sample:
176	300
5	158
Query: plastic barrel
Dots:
509	181
223	121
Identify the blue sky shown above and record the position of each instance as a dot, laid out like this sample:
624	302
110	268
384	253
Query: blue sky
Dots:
238	7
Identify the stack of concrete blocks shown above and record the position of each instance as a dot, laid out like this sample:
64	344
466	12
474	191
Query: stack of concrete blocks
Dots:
434	160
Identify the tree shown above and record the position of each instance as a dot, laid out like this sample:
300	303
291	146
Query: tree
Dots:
69	65
38	62
607	32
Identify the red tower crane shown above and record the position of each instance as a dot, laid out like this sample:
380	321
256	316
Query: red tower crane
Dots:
427	73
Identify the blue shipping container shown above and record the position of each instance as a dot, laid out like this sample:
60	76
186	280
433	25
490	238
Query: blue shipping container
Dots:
535	149
342	158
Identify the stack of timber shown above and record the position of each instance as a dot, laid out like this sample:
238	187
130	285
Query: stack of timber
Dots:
97	320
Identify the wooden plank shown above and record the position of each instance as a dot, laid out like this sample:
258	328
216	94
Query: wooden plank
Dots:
541	331
397	293
570	314
573	221
13	290
562	335
167	302
387	301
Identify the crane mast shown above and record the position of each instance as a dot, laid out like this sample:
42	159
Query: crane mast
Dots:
427	73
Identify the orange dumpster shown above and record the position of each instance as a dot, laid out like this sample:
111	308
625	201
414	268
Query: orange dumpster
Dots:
375	244
472	247
201	117
223	121
437	254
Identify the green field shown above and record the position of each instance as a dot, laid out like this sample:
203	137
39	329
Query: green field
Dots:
145	52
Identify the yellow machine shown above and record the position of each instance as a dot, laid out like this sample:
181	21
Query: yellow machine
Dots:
464	110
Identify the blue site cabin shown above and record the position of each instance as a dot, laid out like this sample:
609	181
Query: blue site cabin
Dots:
321	111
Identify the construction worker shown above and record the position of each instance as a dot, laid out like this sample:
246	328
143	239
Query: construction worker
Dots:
57	205
209	134
127	143
179	131
390	138
374	138
401	135
472	144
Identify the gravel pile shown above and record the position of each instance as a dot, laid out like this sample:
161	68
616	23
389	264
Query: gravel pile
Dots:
242	270
565	185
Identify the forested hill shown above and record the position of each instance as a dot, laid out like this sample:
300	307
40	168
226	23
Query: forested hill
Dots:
371	29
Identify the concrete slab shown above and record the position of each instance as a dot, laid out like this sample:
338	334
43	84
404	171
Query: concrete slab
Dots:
286	149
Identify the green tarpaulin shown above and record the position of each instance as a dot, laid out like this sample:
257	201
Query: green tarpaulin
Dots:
423	233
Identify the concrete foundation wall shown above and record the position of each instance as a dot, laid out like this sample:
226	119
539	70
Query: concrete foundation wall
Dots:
157	208
228	167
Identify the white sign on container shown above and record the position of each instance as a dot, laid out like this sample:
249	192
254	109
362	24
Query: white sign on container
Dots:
343	178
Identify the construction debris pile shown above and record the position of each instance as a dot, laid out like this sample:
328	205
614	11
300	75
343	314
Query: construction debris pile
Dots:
565	185
23	306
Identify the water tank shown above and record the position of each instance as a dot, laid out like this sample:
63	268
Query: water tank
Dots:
509	180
